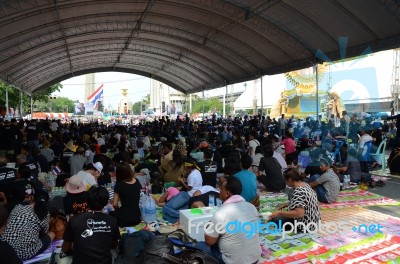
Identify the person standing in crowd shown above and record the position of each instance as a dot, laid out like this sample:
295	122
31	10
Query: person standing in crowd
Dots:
91	235
282	125
27	230
127	190
32	134
232	247
397	118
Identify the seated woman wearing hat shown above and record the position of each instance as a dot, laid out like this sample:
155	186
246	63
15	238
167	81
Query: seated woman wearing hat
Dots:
75	201
90	174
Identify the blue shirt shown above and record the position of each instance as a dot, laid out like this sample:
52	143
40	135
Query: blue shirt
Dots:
249	184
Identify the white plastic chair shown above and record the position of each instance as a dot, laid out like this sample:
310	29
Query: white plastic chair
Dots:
380	153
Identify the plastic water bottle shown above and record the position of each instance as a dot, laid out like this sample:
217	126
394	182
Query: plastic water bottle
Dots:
346	181
211	201
219	202
150	210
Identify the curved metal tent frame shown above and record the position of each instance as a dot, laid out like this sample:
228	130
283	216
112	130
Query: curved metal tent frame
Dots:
191	45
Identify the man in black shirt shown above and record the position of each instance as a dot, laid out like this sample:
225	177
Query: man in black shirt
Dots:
208	169
91	235
32	134
7	177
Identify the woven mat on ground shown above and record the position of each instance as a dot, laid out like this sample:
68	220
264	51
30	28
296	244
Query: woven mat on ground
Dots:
46	254
358	197
295	248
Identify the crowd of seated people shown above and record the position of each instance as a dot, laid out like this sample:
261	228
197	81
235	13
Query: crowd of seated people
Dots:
229	158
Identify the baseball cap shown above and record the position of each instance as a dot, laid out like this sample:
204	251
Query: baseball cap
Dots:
98	166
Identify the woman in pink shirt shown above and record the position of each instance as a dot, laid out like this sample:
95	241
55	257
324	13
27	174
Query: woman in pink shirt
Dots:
290	148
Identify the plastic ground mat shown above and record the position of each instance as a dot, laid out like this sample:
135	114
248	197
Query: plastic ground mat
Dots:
352	240
358	197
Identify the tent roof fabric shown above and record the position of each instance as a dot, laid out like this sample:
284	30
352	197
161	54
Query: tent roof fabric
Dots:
191	45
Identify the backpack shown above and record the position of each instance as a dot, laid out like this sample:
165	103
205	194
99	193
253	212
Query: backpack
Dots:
156	248
161	250
131	247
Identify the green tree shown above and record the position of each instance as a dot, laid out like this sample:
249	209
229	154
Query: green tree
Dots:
56	105
208	105
14	96
136	108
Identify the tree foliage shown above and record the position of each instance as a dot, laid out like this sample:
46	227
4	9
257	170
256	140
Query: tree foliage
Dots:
56	105
41	96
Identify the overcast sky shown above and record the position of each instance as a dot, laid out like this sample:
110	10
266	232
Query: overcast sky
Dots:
362	78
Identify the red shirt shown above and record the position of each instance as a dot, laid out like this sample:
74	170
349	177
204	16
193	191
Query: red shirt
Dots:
290	145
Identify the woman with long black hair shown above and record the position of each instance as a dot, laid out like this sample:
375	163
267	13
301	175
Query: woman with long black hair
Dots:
27	230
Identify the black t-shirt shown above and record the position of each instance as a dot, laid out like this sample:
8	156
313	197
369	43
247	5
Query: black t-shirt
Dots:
8	135
313	168
92	235
20	187
208	169
7	178
129	194
32	132
32	166
7	254
122	157
75	203
273	180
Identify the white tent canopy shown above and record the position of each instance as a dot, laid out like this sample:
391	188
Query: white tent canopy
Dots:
273	85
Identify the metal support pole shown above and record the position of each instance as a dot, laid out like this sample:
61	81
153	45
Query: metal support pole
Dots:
7	111
262	97
20	104
224	102
203	104
317	92
190	103
31	106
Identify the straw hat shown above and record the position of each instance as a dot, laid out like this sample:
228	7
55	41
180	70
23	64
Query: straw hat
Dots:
75	184
70	145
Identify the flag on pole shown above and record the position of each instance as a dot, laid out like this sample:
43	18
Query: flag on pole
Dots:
96	96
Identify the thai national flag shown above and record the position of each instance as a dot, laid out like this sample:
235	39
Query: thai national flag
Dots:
96	96
56	171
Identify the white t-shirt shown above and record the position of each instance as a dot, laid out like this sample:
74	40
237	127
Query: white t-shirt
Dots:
88	179
278	156
54	126
256	159
236	247
253	144
207	188
195	181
